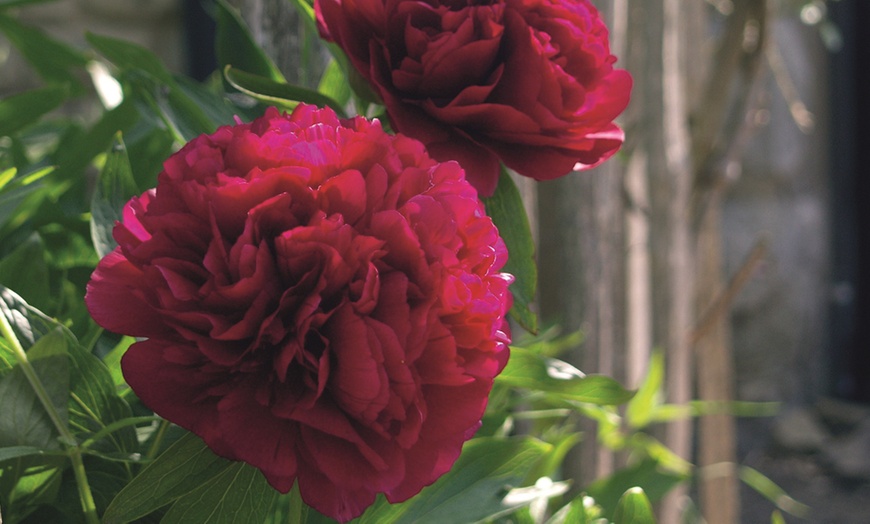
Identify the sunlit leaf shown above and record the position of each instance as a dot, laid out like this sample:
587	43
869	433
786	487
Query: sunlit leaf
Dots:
506	209
129	56
642	407
634	508
772	492
28	324
156	86
538	373
334	83
474	489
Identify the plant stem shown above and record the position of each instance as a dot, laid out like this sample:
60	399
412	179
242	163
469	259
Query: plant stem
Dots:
73	451
158	439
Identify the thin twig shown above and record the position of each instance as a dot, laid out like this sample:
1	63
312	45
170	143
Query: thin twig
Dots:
802	116
722	303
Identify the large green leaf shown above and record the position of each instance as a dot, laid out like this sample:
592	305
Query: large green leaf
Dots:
180	469
53	60
634	508
236	47
94	404
506	209
23	419
271	92
239	493
474	489
115	186
531	371
19	111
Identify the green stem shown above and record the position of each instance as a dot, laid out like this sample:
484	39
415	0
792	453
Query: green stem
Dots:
67	438
158	440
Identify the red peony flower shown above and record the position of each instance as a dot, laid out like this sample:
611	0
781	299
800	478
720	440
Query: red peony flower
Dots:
319	299
527	82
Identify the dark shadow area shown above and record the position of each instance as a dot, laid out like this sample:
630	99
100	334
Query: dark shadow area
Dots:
850	198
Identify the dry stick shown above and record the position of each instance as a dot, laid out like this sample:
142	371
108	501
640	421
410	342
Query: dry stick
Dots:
722	304
720	138
802	116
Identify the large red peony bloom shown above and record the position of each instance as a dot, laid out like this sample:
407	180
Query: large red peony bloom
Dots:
319	299
530	83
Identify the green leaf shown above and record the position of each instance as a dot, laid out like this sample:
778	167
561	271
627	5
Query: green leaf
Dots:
54	61
505	207
19	111
128	56
13	204
94	404
25	269
239	493
155	85
772	492
271	92
474	489
115	186
179	470
23	420
14	452
334	83
28	324
77	151
642	407
634	508
581	510
538	373
216	108
236	47
655	481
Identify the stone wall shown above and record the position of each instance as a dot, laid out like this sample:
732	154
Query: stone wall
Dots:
779	319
